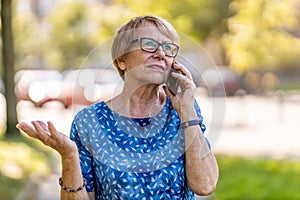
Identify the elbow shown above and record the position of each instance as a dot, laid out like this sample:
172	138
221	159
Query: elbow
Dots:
204	190
203	187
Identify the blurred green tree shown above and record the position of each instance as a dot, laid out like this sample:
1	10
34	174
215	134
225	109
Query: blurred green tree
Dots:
256	34
63	38
258	38
202	20
199	19
31	36
69	41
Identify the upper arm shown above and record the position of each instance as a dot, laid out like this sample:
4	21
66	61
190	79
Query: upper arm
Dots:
78	132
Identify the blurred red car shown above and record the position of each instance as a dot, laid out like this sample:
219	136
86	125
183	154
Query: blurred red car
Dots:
38	86
221	81
87	86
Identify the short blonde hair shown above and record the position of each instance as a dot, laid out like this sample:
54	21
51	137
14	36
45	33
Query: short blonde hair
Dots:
128	32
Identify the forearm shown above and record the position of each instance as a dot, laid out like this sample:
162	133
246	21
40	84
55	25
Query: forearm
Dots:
71	171
200	166
72	178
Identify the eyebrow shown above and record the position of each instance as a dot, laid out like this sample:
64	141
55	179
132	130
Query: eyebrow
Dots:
163	42
133	41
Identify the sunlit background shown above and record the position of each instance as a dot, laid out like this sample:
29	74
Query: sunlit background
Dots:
254	44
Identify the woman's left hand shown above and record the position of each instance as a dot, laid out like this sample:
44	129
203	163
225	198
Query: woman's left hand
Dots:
186	96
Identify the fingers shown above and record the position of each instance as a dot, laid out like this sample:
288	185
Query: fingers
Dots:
167	91
40	130
52	130
185	82
185	72
51	127
48	135
27	129
43	125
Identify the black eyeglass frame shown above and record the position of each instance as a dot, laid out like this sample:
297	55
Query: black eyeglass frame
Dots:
159	44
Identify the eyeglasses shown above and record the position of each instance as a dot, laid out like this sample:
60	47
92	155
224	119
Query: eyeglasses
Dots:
151	46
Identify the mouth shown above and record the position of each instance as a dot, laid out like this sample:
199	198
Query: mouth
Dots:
156	67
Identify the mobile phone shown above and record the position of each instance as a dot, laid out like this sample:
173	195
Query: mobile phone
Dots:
172	83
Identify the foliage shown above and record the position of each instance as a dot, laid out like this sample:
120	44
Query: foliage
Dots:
259	35
69	33
30	39
63	38
20	159
257	178
240	178
256	34
198	19
288	87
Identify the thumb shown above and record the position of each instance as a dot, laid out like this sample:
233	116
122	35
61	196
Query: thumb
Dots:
167	91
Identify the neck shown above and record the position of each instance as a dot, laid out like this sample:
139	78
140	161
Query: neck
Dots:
145	101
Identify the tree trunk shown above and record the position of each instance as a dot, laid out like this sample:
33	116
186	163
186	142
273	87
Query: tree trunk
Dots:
8	66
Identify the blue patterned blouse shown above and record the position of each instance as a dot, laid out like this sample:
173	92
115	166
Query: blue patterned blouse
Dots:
131	158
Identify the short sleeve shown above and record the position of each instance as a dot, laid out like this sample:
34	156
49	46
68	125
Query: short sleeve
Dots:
85	156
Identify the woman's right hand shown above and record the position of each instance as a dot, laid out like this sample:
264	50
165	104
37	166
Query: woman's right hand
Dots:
49	136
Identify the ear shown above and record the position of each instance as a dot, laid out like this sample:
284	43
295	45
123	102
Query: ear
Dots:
122	65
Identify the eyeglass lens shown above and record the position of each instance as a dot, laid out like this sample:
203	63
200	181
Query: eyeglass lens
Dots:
151	46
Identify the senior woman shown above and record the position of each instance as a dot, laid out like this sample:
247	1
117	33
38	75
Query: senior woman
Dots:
145	143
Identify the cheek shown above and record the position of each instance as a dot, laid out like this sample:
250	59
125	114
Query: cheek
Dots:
136	59
169	62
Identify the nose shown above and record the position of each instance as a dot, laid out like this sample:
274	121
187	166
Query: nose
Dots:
160	52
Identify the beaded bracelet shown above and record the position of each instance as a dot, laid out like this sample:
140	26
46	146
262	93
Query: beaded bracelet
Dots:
69	189
190	123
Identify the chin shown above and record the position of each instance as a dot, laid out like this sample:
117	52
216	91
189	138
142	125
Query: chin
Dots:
156	78
157	81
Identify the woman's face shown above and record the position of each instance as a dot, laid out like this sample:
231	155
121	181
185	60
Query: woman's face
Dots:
147	67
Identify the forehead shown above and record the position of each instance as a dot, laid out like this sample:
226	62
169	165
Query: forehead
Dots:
150	30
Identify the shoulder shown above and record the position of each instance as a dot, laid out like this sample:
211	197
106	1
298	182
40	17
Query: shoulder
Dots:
86	120
89	111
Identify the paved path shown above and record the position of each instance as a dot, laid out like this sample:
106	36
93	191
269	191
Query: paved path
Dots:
261	127
252	126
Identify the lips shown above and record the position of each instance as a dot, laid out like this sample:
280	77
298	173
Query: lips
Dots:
156	67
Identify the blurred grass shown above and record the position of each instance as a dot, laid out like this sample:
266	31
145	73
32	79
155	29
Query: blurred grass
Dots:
288	87
21	158
257	178
240	178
